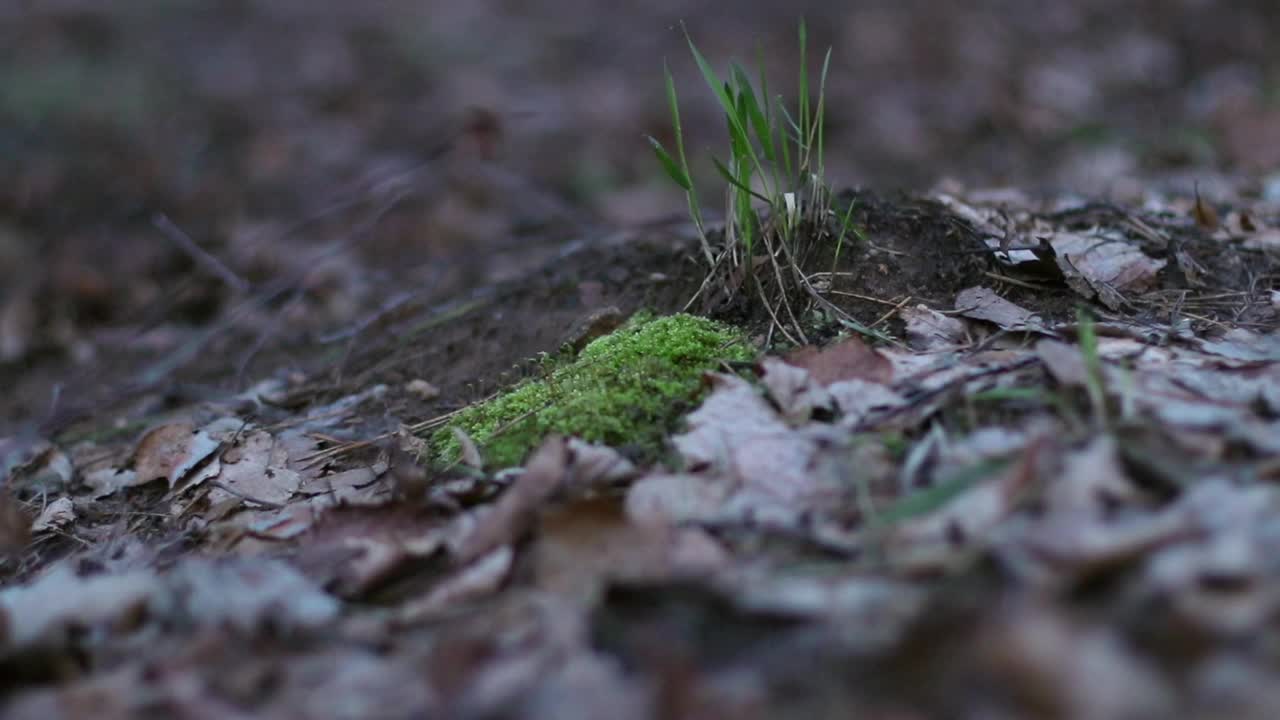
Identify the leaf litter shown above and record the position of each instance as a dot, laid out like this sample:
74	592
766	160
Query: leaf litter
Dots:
1074	515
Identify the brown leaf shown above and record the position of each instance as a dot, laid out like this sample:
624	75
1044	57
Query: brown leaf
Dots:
982	303
169	452
258	474
57	514
1103	266
508	518
470	453
1205	214
480	578
929	330
15	525
794	390
848	359
584	544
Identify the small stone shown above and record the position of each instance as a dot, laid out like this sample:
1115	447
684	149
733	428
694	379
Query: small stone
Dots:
422	389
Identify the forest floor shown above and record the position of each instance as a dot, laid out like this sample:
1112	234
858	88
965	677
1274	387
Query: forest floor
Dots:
1020	460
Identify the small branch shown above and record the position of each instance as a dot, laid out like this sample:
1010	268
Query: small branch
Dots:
204	259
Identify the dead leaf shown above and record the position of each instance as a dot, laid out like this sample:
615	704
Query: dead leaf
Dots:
255	470
15	526
983	303
734	408
674	499
248	594
778	473
1064	362
51	608
583	545
856	399
35	464
848	359
930	331
480	578
170	452
1205	214
794	390
596	467
508	518
1103	267
55	516
470	453
1067	669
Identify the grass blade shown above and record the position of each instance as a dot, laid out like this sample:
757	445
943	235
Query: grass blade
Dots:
709	75
735	182
677	173
804	84
750	107
820	114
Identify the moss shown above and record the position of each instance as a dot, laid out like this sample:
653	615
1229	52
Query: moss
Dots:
626	388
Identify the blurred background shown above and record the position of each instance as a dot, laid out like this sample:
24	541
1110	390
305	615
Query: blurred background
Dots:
445	144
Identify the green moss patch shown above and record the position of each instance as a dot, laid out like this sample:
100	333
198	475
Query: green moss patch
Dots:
626	388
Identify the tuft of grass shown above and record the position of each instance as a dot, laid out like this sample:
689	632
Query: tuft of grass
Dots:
778	203
626	388
1095	379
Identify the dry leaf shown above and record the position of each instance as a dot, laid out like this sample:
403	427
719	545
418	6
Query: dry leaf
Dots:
848	359
596	467
15	526
170	452
470	453
929	330
983	304
508	518
255	470
55	516
794	390
1205	214
1103	267
480	578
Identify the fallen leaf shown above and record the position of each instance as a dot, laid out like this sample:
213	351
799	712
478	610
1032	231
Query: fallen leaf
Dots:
170	452
248	594
480	578
672	499
581	546
848	359
50	609
929	330
595	467
508	518
982	303
15	527
255	471
470	453
1103	267
856	399
794	390
1206	216
55	516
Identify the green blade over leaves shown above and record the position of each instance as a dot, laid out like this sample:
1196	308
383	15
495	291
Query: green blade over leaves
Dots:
751	108
735	182
669	164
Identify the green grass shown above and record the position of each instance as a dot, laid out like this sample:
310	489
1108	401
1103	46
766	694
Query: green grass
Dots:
1095	380
626	388
775	186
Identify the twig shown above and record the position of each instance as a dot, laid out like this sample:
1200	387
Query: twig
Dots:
203	258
